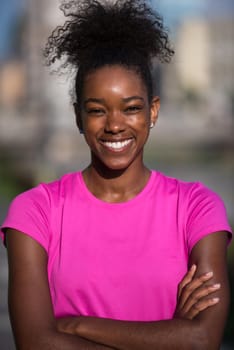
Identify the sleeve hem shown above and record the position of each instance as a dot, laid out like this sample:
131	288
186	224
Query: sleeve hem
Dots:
22	230
208	231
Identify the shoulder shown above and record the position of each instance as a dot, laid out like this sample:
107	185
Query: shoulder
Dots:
33	211
43	198
201	210
194	194
182	188
48	192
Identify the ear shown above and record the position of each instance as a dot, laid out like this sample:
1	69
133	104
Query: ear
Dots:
78	117
154	110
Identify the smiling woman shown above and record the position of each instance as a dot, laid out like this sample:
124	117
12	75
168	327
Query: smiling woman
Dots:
116	256
115	118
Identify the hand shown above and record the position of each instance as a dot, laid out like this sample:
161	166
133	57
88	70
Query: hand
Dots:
192	292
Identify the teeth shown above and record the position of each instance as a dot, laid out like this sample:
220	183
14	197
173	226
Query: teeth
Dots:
117	145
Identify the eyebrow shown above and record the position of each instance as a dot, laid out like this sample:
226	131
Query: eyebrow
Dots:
128	99
102	100
97	100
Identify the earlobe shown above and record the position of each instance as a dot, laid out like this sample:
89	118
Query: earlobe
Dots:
154	111
78	117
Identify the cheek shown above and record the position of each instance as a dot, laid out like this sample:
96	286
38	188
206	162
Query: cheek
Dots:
92	125
141	123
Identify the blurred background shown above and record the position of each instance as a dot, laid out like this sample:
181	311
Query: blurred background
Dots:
193	139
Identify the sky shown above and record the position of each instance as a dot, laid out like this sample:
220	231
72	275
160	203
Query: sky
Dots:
10	10
172	10
175	10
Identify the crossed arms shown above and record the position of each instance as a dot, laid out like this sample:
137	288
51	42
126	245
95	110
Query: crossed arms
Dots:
195	325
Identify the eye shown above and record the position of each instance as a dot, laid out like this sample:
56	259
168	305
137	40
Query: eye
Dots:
133	109
95	111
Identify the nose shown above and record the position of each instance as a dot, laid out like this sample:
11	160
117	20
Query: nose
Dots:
114	122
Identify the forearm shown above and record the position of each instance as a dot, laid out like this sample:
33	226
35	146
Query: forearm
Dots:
123	335
59	341
70	342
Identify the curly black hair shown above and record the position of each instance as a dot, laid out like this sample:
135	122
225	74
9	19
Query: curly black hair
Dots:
99	33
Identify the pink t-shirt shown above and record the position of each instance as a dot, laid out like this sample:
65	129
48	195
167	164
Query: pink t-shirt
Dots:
117	260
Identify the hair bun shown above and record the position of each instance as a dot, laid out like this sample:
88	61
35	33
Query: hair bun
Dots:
100	27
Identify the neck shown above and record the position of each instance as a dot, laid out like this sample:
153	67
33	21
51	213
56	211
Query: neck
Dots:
116	185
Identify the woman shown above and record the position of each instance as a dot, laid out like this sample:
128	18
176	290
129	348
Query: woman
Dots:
97	258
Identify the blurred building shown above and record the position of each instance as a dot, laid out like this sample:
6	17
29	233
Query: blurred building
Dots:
37	128
200	80
205	55
193	55
221	35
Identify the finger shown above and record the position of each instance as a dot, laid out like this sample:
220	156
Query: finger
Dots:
201	306
199	281
192	286
187	279
199	296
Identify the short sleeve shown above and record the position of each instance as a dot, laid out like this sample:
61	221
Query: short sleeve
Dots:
206	214
29	213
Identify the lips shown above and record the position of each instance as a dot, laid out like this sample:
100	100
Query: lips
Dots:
117	145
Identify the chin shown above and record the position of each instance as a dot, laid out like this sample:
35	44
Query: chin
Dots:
119	164
116	167
111	168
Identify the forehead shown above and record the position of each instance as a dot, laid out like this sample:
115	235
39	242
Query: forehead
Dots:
114	78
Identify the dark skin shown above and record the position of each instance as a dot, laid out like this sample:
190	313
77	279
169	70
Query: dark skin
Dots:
31	313
118	110
115	115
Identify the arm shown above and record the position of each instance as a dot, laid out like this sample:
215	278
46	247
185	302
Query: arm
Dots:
203	332
31	313
190	301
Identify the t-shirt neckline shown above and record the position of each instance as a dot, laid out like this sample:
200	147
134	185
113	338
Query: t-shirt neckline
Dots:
137	198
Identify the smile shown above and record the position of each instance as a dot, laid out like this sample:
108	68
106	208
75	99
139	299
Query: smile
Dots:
118	145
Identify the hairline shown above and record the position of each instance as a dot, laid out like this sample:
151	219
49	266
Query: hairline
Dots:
134	67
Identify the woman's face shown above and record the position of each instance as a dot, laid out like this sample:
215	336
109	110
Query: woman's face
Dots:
115	115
